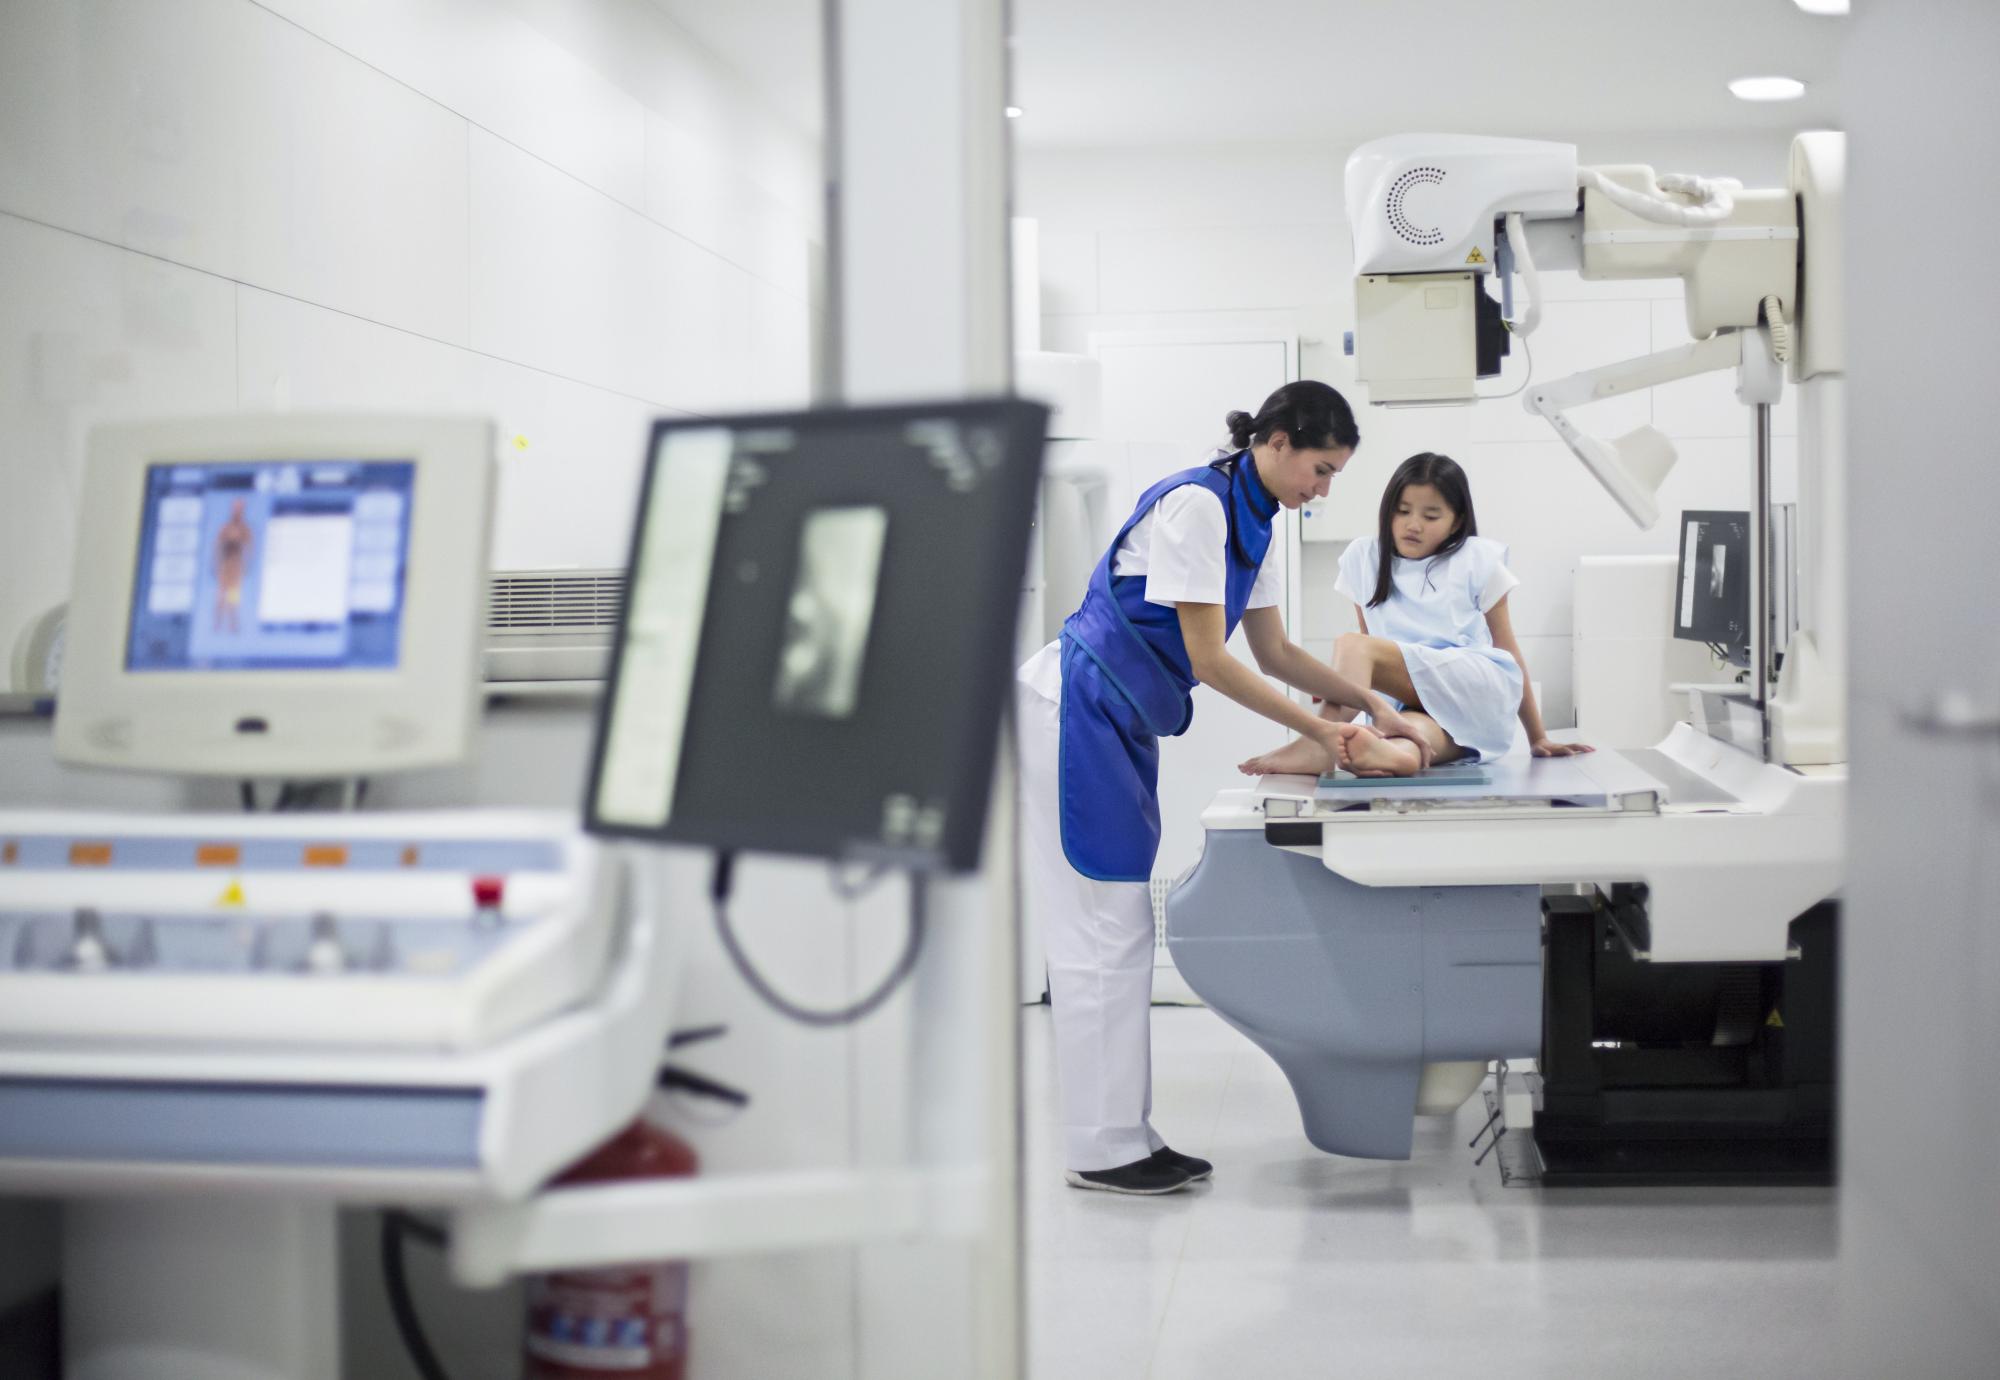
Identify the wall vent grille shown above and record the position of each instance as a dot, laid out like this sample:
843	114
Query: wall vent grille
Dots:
549	600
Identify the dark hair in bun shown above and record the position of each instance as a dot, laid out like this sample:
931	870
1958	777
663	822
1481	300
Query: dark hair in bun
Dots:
1312	414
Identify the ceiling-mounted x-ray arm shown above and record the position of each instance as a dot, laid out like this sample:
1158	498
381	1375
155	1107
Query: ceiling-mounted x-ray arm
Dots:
1632	467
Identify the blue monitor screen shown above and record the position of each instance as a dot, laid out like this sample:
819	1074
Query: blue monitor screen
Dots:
265	565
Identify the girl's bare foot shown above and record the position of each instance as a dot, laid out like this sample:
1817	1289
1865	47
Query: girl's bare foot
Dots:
1300	757
1368	753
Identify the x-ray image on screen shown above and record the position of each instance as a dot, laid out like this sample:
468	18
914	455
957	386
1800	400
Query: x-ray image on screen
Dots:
818	638
1714	601
831	608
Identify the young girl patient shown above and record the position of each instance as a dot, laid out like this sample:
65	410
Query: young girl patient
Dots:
1436	637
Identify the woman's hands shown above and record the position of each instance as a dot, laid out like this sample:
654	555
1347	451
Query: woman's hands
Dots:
1546	747
1391	724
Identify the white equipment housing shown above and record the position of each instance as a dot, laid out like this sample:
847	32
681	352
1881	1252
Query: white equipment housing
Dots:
1427	203
194	717
215	1028
317	1004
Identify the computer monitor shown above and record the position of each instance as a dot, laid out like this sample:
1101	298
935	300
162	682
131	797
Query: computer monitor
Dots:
1713	600
278	596
818	632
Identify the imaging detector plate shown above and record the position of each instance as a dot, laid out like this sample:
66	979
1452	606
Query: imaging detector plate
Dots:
1603	781
1454	775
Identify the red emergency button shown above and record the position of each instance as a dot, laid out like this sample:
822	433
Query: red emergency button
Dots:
487	891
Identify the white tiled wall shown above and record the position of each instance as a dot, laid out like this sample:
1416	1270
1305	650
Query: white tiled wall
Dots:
563	214
88	331
1257	238
567	216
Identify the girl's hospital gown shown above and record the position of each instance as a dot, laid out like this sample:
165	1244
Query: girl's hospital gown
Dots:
1437	616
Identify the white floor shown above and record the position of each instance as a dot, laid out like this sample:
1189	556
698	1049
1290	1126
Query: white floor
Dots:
1297	1263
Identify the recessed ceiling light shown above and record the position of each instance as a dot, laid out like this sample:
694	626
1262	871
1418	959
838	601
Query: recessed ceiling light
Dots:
1767	89
1822	6
1013	112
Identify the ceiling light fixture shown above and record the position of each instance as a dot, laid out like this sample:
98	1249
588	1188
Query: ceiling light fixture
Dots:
1767	89
1013	112
1822	6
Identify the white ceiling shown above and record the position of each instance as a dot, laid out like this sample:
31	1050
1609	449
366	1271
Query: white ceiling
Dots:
1159	73
1242	71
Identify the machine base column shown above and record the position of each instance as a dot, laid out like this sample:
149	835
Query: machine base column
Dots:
194	1288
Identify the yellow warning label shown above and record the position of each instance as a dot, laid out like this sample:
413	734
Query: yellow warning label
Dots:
1774	1020
232	895
1475	257
520	441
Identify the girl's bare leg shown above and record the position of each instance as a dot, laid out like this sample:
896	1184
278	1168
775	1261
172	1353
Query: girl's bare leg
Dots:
1377	663
1354	658
1300	757
1368	753
1363	660
1374	663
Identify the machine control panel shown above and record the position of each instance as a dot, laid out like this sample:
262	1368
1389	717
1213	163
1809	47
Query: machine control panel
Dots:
433	931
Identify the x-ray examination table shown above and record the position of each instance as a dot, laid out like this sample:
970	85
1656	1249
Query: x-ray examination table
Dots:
1359	931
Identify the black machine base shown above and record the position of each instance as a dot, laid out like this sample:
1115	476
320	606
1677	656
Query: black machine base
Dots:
1683	1073
1721	1160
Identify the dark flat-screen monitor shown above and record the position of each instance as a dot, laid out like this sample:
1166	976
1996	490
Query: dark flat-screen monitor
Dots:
1713	600
818	633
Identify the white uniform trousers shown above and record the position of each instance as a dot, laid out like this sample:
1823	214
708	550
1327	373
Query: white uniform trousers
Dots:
1099	941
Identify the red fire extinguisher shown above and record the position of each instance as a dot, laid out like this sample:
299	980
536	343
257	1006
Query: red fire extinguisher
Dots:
626	1322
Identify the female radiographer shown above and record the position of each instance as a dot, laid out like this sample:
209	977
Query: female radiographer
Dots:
1185	569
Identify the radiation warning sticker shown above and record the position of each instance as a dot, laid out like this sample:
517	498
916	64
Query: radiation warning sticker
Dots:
232	895
1774	1020
1475	257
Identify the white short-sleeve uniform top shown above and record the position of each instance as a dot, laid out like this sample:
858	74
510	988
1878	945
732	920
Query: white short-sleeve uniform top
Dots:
1181	546
1436	612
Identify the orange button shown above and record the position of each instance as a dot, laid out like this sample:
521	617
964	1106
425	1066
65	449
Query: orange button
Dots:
90	855
218	855
410	856
10	852
326	855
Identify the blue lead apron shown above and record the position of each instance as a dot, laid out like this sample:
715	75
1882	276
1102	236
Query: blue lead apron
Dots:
1127	682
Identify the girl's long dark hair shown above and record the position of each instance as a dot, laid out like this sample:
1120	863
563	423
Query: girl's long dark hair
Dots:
1311	413
1442	473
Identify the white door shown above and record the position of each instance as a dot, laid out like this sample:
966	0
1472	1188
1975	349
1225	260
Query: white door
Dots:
1166	394
1920	957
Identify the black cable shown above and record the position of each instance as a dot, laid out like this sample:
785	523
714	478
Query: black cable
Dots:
395	1226
673	1078
719	888
427	1232
694	1035
246	791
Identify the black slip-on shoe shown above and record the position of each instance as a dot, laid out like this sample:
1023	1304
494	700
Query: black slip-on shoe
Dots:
1194	1166
1148	1176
